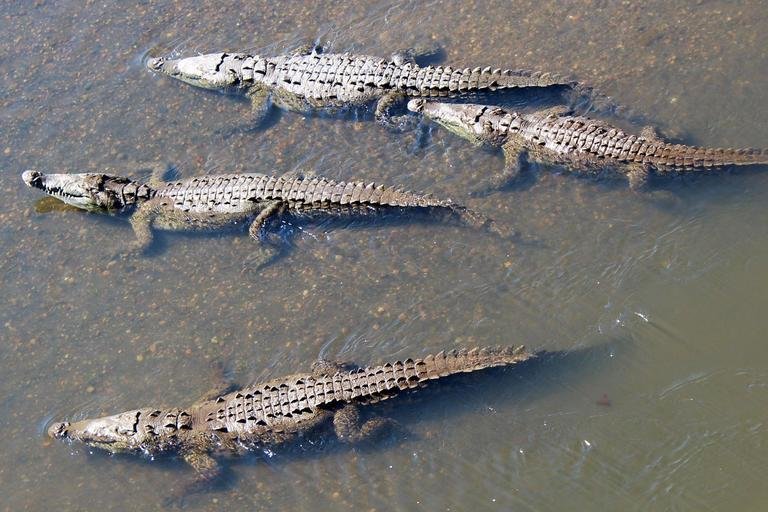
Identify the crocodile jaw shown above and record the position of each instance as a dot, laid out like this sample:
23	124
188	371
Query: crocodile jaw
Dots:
210	71
458	118
87	191
116	434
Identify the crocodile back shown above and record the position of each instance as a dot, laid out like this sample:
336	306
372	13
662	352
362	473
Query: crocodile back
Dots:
346	79
237	193
219	193
261	407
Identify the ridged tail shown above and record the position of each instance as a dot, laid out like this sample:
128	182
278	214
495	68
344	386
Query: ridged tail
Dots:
437	79
707	157
695	158
321	190
442	80
380	381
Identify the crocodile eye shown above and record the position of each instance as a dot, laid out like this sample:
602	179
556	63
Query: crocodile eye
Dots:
124	430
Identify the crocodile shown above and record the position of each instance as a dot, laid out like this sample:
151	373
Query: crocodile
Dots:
270	414
305	80
581	144
218	201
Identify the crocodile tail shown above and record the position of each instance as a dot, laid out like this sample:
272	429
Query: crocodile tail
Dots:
446	80
382	195
514	78
391	196
443	364
681	157
478	79
321	190
440	80
743	156
376	382
526	78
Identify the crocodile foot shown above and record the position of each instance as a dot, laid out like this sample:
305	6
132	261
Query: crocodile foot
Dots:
425	54
260	258
323	367
346	424
307	49
664	199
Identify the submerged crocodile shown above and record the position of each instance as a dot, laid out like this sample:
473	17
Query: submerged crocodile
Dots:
272	413
581	144
305	80
217	201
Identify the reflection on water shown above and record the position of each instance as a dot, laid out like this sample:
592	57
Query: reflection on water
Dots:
664	297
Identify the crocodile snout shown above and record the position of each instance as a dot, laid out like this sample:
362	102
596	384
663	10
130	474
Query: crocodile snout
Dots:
155	63
31	178
416	105
58	430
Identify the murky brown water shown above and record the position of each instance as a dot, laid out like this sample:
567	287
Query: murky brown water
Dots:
659	306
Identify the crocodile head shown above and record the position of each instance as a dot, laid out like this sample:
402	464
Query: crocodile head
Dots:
118	433
210	71
459	118
88	191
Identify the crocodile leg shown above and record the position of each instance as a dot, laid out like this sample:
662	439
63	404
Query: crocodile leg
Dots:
141	222
266	251
384	117
514	158
650	133
291	102
205	466
257	226
404	56
207	470
261	99
409	55
514	154
638	175
639	178
346	424
555	111
306	49
323	367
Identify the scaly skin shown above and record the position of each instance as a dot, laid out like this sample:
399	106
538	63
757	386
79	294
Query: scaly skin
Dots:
583	145
272	413
307	81
217	201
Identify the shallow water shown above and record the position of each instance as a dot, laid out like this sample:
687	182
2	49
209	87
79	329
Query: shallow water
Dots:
655	305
